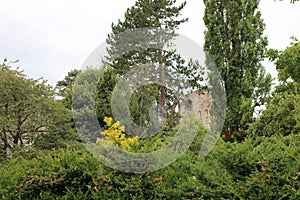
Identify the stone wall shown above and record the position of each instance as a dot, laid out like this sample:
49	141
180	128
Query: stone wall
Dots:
199	104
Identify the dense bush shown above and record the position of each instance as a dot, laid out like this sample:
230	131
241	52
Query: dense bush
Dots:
261	168
51	174
282	117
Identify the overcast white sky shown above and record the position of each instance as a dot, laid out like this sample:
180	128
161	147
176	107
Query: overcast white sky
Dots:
51	37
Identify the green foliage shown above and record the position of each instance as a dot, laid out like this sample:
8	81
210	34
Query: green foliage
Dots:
65	87
51	175
141	103
282	114
280	117
261	168
27	110
261	95
106	79
164	17
84	103
234	39
60	134
268	166
47	162
105	88
287	62
162	14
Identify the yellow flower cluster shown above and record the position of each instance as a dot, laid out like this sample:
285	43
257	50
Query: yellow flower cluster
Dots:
108	120
115	134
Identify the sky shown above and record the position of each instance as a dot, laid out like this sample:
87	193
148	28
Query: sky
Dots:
52	37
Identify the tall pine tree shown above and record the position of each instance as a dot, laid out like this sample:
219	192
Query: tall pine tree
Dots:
235	41
164	17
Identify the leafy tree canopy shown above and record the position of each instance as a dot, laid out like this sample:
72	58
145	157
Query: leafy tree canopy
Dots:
287	62
28	110
235	41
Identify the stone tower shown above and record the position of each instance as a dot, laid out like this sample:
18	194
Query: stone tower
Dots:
198	103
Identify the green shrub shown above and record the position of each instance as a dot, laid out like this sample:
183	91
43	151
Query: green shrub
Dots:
258	168
55	173
282	117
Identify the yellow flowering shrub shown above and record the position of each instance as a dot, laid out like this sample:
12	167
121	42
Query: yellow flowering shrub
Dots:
108	121
115	134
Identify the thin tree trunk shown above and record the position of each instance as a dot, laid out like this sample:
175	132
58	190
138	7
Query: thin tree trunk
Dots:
162	80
